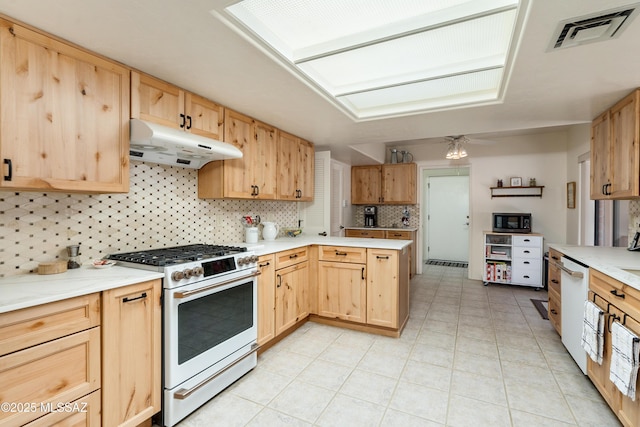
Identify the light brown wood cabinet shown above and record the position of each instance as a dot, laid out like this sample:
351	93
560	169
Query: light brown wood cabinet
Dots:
615	152
390	184
554	290
50	355
159	102
251	177
296	164
266	299
83	412
387	288
65	116
131	353
342	285
292	295
389	234
621	303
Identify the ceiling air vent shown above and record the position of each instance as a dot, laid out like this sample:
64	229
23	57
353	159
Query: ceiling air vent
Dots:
593	28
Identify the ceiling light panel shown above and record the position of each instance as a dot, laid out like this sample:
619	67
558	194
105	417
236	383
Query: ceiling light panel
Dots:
361	52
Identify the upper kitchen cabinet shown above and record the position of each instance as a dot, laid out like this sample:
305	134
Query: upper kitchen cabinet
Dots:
65	116
389	184
162	103
251	177
295	168
615	156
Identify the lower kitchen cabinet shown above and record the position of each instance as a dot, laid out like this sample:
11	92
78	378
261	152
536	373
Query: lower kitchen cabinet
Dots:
50	355
292	296
79	413
387	288
131	353
389	234
342	286
554	293
621	303
266	299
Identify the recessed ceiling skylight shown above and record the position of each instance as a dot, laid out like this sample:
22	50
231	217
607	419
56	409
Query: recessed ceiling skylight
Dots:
382	58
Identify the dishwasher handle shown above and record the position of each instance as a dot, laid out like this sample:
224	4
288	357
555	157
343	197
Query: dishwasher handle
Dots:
561	266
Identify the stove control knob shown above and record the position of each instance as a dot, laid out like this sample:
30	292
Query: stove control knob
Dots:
242	261
253	258
177	275
198	271
188	273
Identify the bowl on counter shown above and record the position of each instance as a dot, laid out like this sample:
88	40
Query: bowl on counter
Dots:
292	232
102	263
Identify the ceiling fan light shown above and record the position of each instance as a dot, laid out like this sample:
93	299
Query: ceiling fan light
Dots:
462	151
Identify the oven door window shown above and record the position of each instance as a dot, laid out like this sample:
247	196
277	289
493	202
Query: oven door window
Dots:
205	322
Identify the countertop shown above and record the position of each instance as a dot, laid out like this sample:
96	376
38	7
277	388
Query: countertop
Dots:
29	290
611	261
285	243
383	228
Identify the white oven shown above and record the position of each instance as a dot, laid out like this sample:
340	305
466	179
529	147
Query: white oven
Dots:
210	339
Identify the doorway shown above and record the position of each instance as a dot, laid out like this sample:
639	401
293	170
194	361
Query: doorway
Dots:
446	223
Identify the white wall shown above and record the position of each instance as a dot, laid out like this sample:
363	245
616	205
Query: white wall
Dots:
578	143
542	156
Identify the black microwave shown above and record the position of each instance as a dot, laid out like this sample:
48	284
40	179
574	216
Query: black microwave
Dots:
512	222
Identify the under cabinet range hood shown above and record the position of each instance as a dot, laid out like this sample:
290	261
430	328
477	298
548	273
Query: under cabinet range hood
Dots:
155	143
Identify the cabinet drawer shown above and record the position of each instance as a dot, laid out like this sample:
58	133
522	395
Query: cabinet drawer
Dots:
526	252
57	371
554	256
526	264
528	241
399	234
526	277
555	315
84	412
291	257
554	278
617	293
373	234
343	254
34	325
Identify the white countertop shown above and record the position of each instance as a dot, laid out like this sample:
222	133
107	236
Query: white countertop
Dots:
611	261
285	243
383	228
29	290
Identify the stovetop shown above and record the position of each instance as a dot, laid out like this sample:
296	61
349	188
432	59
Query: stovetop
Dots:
176	255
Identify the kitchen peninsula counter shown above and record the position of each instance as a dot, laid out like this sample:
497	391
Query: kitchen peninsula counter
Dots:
28	290
611	261
286	243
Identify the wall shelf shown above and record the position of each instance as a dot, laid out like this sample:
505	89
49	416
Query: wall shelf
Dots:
535	191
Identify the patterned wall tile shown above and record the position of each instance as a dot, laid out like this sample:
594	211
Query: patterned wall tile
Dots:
161	209
389	215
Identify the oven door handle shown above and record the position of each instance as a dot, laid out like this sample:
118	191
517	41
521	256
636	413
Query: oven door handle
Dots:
186	294
183	393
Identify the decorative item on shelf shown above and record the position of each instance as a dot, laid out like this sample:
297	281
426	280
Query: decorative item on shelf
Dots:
571	195
499	184
394	155
532	182
516	181
407	157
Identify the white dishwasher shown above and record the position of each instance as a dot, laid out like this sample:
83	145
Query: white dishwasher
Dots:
574	292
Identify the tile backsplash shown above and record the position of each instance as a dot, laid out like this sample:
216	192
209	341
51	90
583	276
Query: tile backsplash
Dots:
161	209
388	215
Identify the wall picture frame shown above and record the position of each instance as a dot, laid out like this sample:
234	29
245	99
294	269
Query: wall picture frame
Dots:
571	195
516	181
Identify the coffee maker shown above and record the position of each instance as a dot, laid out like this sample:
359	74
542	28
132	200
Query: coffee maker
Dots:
370	216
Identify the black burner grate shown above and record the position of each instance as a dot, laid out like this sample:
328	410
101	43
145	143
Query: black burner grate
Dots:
177	254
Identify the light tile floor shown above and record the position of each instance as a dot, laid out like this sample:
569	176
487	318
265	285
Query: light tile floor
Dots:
470	355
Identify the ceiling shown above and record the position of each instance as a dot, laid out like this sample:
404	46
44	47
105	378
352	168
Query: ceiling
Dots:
183	43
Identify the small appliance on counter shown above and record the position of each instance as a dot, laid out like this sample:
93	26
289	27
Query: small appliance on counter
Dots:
511	223
370	216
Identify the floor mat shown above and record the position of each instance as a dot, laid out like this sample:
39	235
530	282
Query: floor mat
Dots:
447	263
541	306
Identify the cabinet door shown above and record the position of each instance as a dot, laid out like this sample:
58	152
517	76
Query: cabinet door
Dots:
600	156
238	173
157	101
371	234
84	412
599	374
399	183
306	174
204	117
131	353
624	118
288	166
366	184
65	116
265	160
342	291
266	299
382	287
629	412
292	298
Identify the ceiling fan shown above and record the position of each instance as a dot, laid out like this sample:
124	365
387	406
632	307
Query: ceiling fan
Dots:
457	144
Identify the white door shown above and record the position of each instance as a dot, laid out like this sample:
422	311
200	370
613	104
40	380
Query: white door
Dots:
337	197
448	218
